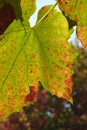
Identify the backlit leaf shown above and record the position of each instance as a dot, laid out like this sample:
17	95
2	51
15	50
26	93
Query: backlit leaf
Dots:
55	54
75	10
82	35
29	55
13	72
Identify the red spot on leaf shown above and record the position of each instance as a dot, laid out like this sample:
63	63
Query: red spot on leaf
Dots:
68	89
31	96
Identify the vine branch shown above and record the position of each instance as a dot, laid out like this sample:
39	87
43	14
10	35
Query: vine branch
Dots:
46	14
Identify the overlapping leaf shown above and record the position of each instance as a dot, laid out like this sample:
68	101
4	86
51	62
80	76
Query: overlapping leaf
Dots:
23	8
12	81
75	10
55	54
82	35
13	72
29	55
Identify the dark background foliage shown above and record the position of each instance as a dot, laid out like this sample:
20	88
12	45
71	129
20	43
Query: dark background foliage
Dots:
50	112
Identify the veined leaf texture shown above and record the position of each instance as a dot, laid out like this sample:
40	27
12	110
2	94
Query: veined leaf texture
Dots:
76	10
29	55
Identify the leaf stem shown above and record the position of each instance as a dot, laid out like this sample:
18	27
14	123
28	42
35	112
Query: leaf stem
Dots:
46	14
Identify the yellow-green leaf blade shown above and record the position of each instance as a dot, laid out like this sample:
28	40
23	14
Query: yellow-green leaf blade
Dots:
82	35
13	77
29	55
55	54
75	10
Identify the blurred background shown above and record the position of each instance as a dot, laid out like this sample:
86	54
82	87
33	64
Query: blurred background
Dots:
50	112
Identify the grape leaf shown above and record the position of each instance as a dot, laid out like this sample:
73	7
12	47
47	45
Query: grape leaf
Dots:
75	10
56	70
82	35
29	55
12	80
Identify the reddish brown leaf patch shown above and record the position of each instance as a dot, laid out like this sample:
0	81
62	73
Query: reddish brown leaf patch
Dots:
31	96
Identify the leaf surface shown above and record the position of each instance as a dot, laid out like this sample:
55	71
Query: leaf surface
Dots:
75	10
13	72
29	55
55	54
82	35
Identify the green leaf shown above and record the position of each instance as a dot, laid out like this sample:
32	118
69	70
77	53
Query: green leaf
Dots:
28	7
55	54
75	9
13	76
29	55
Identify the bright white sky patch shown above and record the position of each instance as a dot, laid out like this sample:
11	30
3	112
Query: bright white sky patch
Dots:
39	4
